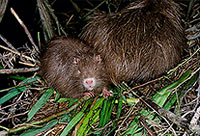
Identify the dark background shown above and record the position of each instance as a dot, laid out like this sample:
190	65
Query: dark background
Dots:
27	11
63	9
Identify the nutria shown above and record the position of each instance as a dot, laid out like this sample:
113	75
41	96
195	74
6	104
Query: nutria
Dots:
73	69
140	42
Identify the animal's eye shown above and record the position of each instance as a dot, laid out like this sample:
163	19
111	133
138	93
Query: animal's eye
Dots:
98	58
76	60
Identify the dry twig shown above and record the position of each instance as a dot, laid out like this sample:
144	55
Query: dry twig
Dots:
19	70
25	29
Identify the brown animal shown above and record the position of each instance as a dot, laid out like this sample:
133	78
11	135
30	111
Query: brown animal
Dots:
73	69
141	42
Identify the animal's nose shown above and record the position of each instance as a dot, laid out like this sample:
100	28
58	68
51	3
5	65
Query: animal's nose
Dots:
89	81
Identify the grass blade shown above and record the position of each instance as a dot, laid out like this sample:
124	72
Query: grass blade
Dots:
40	103
75	120
72	123
161	96
34	131
12	94
84	127
16	90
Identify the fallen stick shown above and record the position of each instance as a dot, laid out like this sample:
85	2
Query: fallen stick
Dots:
19	70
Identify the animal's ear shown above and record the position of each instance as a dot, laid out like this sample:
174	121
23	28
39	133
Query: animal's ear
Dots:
98	58
76	60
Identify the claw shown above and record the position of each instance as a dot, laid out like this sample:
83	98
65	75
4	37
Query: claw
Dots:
89	94
107	93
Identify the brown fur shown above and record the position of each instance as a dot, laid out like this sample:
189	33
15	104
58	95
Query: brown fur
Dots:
141	42
59	70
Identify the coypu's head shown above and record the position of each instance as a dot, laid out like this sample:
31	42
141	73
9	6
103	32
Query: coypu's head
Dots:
90	72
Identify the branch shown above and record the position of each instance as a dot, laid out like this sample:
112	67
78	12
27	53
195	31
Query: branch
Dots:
27	57
19	70
25	28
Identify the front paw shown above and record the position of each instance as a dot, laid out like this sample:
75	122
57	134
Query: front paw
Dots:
89	94
107	93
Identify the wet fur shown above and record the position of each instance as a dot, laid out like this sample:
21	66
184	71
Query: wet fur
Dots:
141	42
60	72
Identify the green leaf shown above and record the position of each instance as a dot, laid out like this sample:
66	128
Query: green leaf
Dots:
160	98
162	95
40	103
22	83
1	67
119	107
17	77
75	120
109	109
189	84
63	100
57	96
71	101
29	80
34	131
102	114
16	90
12	94
171	101
133	127
66	118
72	123
180	92
92	120
84	127
120	101
106	111
138	133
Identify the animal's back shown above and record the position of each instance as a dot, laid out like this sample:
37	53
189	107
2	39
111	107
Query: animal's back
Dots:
141	42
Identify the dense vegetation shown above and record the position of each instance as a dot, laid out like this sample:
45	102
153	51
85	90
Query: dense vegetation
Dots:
27	107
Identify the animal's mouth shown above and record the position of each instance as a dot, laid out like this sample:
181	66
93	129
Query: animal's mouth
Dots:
89	83
90	88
